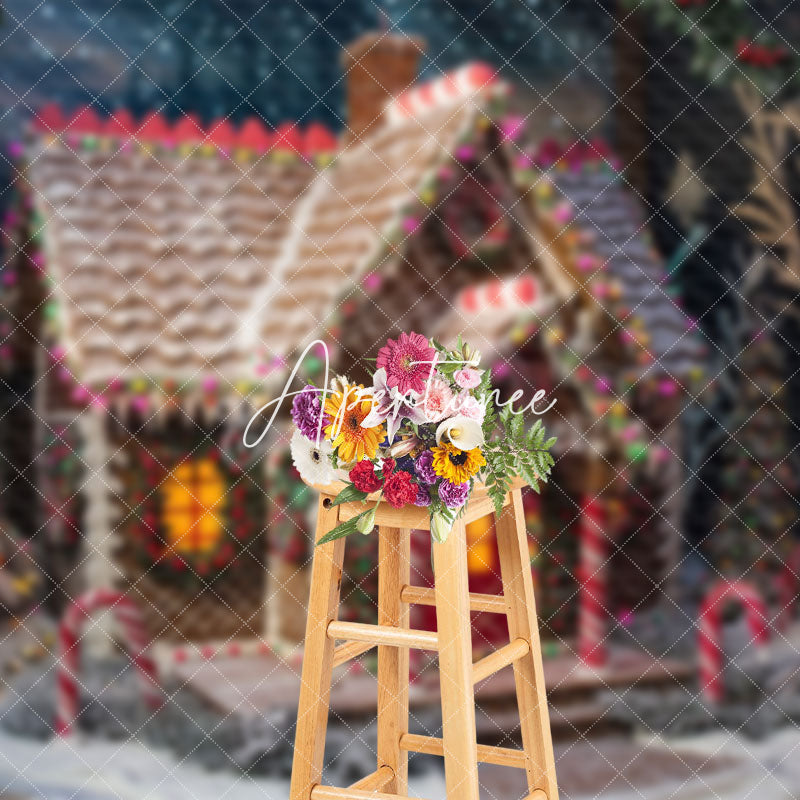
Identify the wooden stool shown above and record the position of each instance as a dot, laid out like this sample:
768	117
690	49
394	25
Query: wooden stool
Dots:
453	641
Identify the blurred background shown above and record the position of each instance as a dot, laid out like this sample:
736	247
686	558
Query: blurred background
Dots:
600	195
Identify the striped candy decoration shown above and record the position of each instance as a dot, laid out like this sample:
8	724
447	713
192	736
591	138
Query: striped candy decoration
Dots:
710	630
454	87
69	635
520	293
593	597
788	584
227	649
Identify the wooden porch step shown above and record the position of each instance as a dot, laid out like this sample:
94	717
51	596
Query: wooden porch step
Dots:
383	635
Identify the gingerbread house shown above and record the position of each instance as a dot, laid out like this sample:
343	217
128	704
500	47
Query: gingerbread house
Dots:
150	241
442	219
183	268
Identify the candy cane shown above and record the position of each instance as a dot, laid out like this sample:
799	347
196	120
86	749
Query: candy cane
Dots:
788	585
710	630
592	600
69	633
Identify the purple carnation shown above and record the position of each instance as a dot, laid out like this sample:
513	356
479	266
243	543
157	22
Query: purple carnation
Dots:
423	466
306	411
423	496
454	495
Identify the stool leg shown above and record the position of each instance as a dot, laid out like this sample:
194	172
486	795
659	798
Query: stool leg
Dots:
512	545
455	665
315	685
394	572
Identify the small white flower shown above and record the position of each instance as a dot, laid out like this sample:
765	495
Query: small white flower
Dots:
312	462
461	431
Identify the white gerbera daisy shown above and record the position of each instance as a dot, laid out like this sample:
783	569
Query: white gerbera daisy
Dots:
312	462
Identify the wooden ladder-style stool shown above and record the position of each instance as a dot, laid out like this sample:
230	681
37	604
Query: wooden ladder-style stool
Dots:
453	641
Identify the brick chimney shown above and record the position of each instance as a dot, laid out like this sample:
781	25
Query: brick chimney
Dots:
378	67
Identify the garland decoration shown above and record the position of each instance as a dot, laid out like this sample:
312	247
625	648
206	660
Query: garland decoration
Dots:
155	134
476	223
192	514
291	503
730	38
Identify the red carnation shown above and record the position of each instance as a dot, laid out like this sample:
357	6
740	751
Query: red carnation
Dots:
399	490
364	478
388	467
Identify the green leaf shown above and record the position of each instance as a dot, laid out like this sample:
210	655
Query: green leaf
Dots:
490	420
517	426
348	495
344	529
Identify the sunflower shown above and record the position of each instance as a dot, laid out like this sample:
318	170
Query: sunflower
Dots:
454	465
345	431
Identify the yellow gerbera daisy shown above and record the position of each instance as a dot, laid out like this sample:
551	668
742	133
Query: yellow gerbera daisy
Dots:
456	466
347	409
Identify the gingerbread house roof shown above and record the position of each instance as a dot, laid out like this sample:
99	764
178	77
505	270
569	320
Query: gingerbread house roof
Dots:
631	282
362	213
177	250
159	236
592	223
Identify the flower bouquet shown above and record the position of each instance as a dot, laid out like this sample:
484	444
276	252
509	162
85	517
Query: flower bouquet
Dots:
424	433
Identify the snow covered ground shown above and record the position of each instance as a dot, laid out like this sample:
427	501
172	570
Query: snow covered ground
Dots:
768	769
90	769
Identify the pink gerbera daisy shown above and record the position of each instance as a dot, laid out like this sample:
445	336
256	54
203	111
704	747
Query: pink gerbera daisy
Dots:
408	362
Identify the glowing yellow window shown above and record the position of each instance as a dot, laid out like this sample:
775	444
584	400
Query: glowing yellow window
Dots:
480	553
194	500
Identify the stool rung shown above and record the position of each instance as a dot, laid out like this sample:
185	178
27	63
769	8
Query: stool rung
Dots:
350	650
422	596
501	657
375	781
433	746
320	792
538	794
383	635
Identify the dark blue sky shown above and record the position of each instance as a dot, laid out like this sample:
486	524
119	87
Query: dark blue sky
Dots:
277	58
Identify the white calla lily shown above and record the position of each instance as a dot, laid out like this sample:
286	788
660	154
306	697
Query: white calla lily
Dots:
463	432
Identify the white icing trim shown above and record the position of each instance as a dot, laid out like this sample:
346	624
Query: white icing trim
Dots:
249	335
99	569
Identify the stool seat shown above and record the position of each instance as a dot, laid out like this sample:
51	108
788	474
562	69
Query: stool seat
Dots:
412	517
452	640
